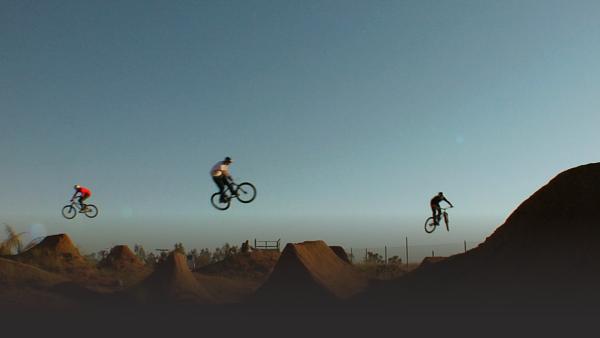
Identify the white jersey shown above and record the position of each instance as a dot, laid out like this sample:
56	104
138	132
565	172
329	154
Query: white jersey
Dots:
220	168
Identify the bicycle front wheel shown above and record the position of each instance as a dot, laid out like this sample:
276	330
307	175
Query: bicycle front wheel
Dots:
69	212
215	200
429	225
246	192
92	211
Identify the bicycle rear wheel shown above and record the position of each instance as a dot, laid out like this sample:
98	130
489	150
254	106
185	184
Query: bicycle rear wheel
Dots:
215	200
92	211
429	225
246	192
69	212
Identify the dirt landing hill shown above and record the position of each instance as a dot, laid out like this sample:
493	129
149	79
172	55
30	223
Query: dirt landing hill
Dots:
310	272
430	260
547	251
171	282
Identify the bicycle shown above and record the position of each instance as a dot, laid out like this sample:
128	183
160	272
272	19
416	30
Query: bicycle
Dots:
430	225
245	192
69	211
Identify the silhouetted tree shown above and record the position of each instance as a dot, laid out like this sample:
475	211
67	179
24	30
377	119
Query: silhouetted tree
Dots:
245	246
223	252
179	248
140	252
151	259
202	258
163	256
12	244
102	254
374	258
395	260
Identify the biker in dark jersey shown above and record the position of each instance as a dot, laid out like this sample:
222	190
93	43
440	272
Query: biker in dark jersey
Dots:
435	206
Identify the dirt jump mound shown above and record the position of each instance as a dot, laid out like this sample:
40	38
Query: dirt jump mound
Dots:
121	258
547	250
171	282
55	253
311	272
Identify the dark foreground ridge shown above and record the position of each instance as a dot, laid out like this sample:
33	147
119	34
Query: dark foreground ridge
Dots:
546	255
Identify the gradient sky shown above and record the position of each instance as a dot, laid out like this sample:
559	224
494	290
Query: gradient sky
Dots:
347	115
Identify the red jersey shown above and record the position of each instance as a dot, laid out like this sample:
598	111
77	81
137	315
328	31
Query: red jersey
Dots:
84	191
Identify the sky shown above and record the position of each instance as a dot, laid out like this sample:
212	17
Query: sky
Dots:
348	116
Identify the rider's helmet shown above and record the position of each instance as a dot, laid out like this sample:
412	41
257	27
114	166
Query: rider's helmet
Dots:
440	194
76	186
228	160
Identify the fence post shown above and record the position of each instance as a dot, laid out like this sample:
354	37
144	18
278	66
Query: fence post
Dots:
432	253
366	255
465	246
385	254
407	251
351	256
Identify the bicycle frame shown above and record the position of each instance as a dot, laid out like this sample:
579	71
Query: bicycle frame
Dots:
442	211
235	186
76	205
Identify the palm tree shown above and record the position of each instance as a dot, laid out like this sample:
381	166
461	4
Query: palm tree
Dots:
12	243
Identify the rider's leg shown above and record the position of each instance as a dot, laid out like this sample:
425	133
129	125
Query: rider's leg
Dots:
436	210
230	185
81	204
219	182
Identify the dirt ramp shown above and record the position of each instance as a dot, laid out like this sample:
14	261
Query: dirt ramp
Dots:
311	272
171	282
121	258
428	261
55	253
547	251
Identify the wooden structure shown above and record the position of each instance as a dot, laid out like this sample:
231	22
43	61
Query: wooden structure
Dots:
267	245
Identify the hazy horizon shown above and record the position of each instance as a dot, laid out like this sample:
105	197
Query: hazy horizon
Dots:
348	116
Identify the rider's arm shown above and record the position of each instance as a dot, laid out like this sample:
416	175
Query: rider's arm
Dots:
225	171
451	206
74	195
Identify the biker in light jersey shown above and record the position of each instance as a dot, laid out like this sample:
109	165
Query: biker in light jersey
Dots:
435	206
221	177
83	193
